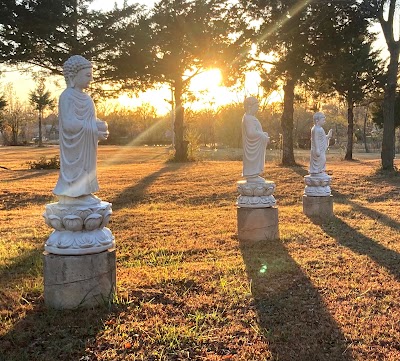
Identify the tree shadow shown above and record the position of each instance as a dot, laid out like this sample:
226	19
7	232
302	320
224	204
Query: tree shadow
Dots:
11	200
291	313
28	263
135	193
363	245
46	334
40	333
28	174
373	214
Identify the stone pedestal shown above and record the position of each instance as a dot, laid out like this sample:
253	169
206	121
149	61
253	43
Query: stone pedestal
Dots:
320	207
79	281
257	214
257	224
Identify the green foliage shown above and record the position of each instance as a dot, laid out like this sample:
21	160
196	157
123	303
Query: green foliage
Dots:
47	32
44	163
377	114
40	98
189	37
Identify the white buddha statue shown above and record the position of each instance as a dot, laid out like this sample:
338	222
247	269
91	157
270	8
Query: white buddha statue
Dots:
319	145
255	142
80	131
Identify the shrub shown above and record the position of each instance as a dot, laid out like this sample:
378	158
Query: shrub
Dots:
44	163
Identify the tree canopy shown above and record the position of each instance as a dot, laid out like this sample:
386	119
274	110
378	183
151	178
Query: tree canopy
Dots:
186	38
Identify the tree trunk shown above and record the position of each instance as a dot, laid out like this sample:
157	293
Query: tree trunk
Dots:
388	140
180	144
287	123
40	130
350	129
365	130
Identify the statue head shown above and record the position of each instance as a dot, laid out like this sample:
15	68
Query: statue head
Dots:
249	103
319	118
73	66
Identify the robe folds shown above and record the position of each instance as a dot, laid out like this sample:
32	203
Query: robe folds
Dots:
319	144
254	143
78	145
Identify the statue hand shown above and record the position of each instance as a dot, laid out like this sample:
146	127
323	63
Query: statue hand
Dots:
103	135
330	133
101	126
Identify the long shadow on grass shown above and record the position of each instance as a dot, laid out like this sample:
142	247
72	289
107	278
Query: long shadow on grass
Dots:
373	214
40	333
45	334
359	243
27	264
29	175
134	194
291	313
10	200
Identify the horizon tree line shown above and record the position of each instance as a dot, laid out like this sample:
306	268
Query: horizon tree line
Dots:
323	45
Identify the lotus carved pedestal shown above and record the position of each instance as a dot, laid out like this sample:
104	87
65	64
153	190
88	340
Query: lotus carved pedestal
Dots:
317	197
257	214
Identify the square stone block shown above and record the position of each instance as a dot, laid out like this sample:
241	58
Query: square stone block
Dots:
319	207
257	224
79	281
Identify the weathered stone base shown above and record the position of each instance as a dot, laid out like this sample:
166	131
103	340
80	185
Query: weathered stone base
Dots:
79	281
320	207
257	224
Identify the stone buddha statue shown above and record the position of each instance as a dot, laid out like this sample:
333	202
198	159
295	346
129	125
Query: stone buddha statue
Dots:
255	142
319	145
80	131
79	218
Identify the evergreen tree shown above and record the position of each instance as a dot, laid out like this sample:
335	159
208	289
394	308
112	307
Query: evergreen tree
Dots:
296	33
378	114
352	69
47	32
376	10
40	98
189	37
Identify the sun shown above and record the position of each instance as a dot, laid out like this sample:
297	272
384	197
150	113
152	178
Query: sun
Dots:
209	80
207	89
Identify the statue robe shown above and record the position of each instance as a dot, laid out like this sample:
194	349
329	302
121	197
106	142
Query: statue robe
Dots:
319	143
78	145
254	143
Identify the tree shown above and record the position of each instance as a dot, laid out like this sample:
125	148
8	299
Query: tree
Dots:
16	116
40	98
295	33
352	69
384	12
378	114
188	37
47	32
3	104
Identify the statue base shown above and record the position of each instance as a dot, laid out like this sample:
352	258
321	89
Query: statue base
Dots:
257	224
78	228
79	281
319	207
256	194
317	185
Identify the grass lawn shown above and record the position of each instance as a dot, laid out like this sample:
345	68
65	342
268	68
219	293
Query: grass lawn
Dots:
187	289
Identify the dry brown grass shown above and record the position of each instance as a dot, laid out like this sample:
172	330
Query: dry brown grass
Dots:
187	290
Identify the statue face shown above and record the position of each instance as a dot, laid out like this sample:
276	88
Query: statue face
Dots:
321	120
83	78
253	108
